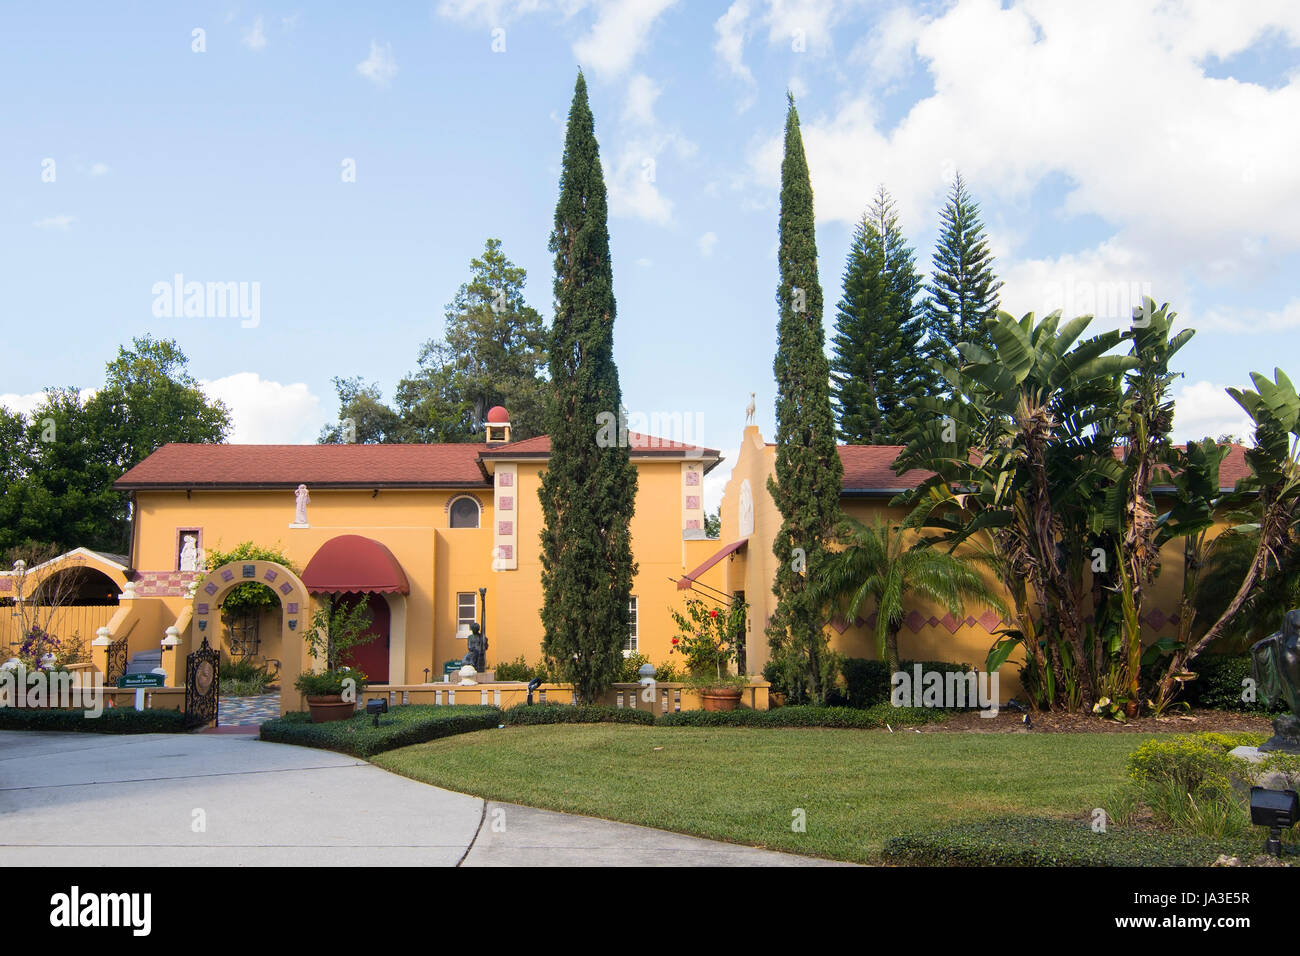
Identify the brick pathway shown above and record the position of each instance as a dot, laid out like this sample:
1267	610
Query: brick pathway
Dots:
248	711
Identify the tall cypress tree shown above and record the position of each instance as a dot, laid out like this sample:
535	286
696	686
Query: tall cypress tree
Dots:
809	473
963	291
880	361
588	491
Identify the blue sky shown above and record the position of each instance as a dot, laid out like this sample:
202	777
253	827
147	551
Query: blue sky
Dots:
1117	148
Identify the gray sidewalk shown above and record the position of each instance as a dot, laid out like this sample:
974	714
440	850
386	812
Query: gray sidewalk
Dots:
95	800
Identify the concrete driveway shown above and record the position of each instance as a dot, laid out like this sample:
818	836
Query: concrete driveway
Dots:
232	800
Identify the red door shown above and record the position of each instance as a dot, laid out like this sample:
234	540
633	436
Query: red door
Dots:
372	658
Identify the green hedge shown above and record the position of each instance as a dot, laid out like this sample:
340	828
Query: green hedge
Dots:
1218	684
1037	841
114	720
805	716
400	727
525	714
867	683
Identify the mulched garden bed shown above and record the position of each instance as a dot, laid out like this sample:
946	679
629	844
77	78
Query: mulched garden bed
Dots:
1185	722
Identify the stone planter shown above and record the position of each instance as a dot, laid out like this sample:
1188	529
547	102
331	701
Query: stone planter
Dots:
720	698
327	707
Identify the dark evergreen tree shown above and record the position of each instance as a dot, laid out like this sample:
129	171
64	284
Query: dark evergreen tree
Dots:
880	360
963	291
588	491
809	473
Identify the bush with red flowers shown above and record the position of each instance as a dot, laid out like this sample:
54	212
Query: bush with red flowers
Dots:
709	639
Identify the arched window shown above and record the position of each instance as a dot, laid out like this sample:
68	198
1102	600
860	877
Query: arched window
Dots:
464	513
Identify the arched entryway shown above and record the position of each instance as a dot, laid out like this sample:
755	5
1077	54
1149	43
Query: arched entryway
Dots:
295	617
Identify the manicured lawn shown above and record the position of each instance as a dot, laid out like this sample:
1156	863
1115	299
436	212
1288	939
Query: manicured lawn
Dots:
857	787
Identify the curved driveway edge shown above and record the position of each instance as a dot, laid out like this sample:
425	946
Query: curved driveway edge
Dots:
233	800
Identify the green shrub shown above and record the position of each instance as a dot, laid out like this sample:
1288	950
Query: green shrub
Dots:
400	727
1037	841
1218	684
803	715
244	669
242	688
517	669
1187	782
527	714
668	673
1194	763
114	720
867	682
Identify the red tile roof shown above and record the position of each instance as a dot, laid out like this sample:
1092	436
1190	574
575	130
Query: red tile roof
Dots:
280	466
357	466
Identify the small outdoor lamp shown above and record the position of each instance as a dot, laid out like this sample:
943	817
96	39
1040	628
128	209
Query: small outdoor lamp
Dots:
1275	809
376	706
533	684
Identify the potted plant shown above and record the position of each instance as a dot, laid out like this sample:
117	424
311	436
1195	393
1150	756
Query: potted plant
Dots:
710	640
336	629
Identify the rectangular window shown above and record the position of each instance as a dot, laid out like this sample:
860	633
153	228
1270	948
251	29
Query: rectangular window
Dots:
465	614
630	646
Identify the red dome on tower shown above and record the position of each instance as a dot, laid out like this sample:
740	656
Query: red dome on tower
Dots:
497	415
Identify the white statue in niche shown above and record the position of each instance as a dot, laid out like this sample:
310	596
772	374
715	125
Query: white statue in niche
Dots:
746	509
189	553
302	499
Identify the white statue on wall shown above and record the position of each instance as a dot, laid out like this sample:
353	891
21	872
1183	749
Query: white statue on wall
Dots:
302	499
750	409
189	553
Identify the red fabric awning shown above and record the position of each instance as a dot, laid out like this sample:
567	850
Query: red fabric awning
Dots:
684	583
353	563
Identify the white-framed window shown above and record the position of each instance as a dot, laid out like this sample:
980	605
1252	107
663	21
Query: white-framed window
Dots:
630	646
464	512
465	615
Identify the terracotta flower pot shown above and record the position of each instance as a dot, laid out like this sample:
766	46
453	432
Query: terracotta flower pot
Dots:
720	698
329	707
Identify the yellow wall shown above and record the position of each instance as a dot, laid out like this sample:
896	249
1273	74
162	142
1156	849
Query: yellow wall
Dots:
439	561
755	570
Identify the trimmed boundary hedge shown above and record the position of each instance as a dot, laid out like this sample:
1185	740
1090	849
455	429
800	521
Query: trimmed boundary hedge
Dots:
872	718
114	720
526	715
400	727
1040	841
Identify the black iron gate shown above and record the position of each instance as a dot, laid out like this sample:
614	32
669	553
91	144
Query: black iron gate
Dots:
201	686
116	662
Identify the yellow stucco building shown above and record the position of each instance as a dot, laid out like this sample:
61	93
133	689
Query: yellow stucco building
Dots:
434	537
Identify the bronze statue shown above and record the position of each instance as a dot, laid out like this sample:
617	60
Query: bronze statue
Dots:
1275	666
476	650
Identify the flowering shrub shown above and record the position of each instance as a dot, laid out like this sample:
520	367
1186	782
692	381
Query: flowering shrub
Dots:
41	650
709	639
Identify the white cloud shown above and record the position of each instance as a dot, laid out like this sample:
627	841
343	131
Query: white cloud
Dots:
619	34
707	243
1223	319
55	222
642	92
27	403
99	169
255	38
380	67
495	13
265	412
1204	409
730	47
633	180
1110	98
